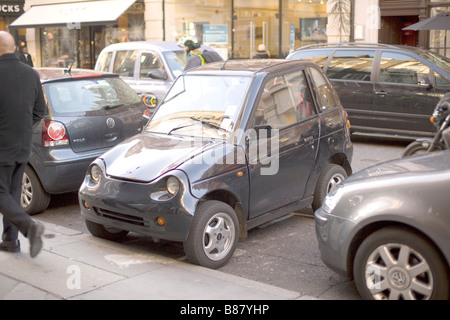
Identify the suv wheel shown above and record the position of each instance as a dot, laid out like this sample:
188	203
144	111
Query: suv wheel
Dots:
395	264
34	198
330	177
213	236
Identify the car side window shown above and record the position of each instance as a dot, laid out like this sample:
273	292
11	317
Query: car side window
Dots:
324	93
285	100
402	69
124	63
104	62
149	62
351	65
319	57
441	81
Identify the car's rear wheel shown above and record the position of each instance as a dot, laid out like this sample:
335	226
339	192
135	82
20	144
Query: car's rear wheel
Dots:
34	198
213	236
396	264
330	177
105	232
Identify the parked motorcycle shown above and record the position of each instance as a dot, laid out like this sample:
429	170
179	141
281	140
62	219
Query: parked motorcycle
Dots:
441	141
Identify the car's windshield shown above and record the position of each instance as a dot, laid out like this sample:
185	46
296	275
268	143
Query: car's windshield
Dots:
88	95
176	61
440	61
201	106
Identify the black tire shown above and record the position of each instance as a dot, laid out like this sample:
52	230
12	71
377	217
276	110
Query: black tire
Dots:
393	278
213	236
34	199
415	147
331	175
104	232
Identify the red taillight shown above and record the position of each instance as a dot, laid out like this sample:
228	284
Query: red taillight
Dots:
54	134
147	114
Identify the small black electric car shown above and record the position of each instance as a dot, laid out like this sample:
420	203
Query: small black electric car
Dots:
233	145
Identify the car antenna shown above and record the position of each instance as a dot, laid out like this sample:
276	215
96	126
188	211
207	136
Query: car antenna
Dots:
229	57
68	71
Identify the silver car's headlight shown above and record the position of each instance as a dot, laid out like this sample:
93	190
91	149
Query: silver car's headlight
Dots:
95	172
332	199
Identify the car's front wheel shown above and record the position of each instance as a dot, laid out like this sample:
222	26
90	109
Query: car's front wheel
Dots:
396	264
105	232
213	236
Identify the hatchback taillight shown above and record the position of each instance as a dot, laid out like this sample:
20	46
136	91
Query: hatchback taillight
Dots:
54	134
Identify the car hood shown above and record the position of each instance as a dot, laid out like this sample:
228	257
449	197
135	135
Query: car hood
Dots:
413	166
147	156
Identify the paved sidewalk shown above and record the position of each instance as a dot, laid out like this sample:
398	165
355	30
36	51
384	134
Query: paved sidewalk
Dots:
78	266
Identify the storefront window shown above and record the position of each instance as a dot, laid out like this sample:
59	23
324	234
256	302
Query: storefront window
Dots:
61	46
440	39
209	21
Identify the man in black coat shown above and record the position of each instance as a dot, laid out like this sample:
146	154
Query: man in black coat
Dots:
22	105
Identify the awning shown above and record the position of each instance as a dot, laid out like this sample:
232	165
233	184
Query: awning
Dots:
72	15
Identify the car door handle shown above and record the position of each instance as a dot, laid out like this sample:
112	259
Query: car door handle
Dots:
381	93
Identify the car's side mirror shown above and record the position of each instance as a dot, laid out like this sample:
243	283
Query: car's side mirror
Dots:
425	83
157	74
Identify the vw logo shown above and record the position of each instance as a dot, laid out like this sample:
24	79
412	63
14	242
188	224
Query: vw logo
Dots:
110	123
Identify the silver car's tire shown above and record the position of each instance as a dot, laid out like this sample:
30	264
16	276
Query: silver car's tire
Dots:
397	264
213	236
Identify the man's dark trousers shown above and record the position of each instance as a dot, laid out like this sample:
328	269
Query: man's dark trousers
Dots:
14	217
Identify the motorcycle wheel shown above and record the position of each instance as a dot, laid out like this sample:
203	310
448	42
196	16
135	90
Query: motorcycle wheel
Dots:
419	147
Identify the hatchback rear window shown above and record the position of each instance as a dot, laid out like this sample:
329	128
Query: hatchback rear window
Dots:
81	96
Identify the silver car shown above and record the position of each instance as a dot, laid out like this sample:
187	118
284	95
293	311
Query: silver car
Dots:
388	228
150	68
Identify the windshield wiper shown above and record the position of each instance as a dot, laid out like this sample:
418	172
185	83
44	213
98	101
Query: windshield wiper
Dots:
112	106
211	124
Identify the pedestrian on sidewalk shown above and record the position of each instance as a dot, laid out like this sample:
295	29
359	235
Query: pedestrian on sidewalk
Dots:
22	105
195	56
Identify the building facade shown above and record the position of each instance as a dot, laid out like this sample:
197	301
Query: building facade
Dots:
234	28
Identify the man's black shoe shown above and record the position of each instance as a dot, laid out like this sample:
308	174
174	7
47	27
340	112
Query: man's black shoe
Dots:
10	246
35	231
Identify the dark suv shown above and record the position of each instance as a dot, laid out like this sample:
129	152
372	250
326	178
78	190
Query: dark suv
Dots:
233	145
385	89
87	113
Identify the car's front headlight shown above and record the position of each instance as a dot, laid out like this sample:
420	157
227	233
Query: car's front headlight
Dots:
332	199
173	185
95	172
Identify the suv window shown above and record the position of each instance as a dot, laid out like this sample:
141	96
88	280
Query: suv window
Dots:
400	68
285	100
149	62
351	65
325	95
104	62
441	81
318	56
124	63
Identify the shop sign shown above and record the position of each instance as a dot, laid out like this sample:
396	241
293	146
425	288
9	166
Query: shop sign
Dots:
11	7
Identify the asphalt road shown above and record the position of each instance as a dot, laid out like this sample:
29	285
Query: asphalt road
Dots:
283	253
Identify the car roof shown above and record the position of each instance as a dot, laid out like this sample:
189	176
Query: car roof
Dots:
248	66
149	45
58	74
352	45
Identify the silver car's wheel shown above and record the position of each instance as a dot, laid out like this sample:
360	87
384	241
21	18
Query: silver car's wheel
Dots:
394	264
213	236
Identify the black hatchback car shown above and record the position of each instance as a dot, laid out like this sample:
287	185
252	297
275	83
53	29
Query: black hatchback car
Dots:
233	145
385	89
87	113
